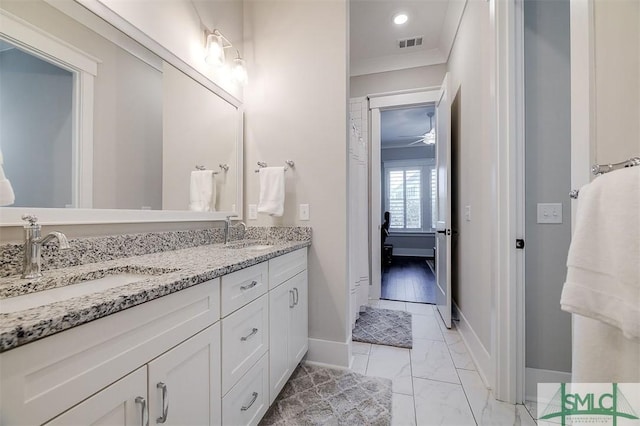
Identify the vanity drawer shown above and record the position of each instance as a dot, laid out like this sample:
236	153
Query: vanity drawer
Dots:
245	338
286	266
241	287
248	400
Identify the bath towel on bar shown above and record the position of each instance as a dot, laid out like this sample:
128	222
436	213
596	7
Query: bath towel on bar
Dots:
271	191
202	191
603	265
7	197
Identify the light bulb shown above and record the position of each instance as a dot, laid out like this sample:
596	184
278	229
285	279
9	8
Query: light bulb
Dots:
239	71
214	50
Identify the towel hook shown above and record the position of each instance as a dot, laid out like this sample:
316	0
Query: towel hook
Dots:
289	163
224	167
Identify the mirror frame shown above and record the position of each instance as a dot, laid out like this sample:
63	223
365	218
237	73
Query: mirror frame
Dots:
91	13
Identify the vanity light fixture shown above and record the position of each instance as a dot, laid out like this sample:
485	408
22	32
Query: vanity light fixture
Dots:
400	18
239	70
214	47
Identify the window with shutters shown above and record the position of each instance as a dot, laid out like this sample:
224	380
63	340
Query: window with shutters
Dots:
410	195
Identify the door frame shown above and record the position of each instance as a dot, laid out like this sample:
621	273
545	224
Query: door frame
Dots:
378	102
507	135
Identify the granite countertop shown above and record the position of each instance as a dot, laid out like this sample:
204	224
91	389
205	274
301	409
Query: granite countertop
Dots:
161	274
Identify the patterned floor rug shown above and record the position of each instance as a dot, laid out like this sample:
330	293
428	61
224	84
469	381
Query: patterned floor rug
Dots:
384	327
322	396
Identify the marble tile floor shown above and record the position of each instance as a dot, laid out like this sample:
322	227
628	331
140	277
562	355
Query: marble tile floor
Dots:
436	382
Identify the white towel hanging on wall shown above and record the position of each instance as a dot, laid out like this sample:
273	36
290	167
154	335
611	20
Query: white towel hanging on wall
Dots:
7	197
271	200
202	191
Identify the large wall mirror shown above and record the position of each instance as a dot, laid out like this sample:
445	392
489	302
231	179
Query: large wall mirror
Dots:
97	128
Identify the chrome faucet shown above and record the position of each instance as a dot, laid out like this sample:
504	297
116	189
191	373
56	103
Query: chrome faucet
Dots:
227	228
33	246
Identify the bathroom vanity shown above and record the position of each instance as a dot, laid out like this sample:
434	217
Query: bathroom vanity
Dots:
202	335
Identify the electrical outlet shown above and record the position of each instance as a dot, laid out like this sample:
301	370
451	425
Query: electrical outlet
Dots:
304	211
549	213
253	211
467	213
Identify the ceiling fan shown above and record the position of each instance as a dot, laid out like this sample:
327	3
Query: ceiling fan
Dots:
428	138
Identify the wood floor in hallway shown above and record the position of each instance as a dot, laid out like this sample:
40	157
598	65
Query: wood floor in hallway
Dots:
408	279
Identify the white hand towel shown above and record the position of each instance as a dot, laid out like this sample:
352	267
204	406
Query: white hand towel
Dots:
7	197
603	275
271	191
202	192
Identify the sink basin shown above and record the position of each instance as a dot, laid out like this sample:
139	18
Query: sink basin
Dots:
249	245
58	294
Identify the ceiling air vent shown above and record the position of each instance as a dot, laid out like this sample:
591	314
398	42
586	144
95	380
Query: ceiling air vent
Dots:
410	42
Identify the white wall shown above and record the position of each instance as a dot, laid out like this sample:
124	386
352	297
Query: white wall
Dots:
547	180
617	76
391	81
469	65
296	109
179	25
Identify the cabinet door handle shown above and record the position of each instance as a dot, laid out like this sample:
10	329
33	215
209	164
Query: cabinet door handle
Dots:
165	403
245	338
296	296
292	299
254	396
248	286
144	417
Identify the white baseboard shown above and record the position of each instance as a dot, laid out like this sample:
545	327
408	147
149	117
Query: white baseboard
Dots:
329	353
413	252
533	376
481	357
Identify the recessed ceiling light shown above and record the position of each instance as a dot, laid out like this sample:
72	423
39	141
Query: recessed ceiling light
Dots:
400	19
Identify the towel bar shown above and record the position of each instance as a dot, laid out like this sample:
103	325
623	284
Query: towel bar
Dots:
599	169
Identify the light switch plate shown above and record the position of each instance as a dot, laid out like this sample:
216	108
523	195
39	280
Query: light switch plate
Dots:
253	211
304	211
549	213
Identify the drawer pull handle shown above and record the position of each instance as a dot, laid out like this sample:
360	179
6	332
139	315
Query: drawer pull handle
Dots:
296	296
144	412
165	403
248	286
292	299
245	338
254	396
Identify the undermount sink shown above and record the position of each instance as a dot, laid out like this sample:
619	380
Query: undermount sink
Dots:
44	297
250	245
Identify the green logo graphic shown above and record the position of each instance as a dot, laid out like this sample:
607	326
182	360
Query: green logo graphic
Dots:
565	404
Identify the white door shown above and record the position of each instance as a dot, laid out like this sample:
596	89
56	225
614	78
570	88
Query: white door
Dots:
184	383
122	403
443	224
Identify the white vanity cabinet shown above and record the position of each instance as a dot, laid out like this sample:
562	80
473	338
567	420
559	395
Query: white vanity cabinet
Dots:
166	337
217	352
288	323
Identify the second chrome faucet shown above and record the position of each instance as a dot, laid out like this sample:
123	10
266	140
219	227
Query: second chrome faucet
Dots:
31	267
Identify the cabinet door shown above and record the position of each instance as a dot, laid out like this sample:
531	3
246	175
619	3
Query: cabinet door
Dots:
299	331
184	383
122	403
280	306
